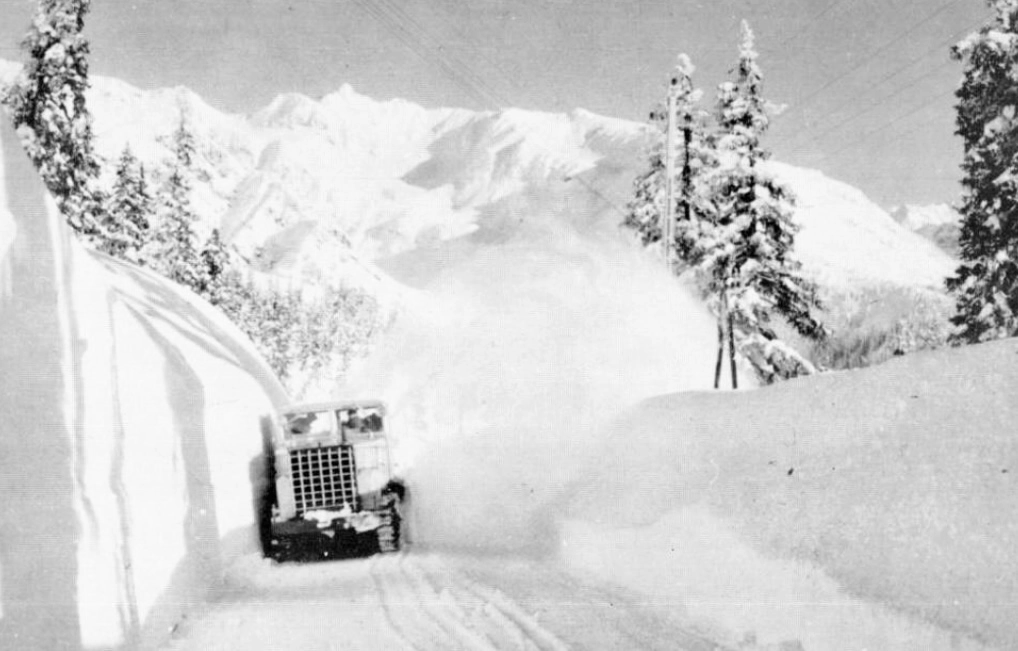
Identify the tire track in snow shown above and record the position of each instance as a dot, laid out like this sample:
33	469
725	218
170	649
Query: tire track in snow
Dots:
425	601
418	613
581	614
448	611
509	617
386	601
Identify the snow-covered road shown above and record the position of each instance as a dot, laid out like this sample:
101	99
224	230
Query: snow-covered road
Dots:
430	600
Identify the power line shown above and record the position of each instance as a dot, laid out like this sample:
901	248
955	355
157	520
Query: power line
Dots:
854	116
869	134
802	28
874	54
415	36
411	34
885	99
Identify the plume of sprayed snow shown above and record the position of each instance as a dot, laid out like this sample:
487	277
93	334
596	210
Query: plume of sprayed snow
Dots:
498	382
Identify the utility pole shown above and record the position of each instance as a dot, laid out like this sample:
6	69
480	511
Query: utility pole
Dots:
668	227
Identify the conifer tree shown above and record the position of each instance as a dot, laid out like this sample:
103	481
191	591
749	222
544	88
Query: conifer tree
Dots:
127	217
183	145
646	211
985	285
215	265
174	249
47	104
743	250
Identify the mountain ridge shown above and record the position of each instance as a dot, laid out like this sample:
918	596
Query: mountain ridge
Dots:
355	181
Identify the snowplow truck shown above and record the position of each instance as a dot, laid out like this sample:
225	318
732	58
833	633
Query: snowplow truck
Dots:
335	492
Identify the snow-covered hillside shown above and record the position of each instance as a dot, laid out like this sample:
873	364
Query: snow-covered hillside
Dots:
848	241
131	448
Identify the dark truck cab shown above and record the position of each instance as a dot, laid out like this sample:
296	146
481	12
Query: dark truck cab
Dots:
335	489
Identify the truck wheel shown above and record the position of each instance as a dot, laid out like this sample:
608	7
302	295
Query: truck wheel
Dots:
388	532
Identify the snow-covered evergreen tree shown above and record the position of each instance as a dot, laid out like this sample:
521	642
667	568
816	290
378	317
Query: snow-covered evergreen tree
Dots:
985	285
743	249
215	259
733	221
183	144
127	217
174	249
647	209
47	103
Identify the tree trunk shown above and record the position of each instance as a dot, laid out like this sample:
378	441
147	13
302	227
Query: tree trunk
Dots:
731	351
721	343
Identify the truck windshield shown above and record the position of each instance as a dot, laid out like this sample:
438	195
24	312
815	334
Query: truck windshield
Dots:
361	422
310	423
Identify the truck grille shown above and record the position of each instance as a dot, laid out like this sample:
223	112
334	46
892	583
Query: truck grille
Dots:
323	478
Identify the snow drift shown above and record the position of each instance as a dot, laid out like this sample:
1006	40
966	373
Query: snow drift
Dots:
842	510
132	440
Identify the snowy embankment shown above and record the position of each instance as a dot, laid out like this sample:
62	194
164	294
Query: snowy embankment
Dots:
132	443
802	510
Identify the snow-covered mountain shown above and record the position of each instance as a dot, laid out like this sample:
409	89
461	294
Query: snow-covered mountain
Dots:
347	187
940	223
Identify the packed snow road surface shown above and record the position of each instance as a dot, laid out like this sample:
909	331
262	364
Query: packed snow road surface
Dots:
426	601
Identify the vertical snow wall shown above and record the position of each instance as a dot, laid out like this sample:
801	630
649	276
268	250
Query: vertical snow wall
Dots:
132	421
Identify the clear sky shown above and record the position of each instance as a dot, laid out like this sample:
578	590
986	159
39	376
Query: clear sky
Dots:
867	83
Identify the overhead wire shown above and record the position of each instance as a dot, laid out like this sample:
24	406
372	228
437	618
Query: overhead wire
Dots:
884	100
415	36
869	134
812	135
812	21
880	50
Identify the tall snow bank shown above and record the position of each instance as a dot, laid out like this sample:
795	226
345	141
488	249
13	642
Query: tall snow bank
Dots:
131	451
844	510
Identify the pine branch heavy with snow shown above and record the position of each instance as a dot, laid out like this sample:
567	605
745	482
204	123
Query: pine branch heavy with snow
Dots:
647	209
47	103
985	285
